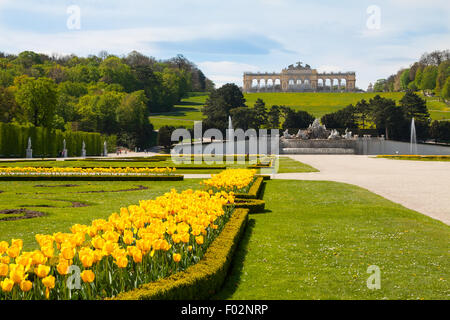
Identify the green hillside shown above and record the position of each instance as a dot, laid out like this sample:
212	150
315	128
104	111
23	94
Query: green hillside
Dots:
318	104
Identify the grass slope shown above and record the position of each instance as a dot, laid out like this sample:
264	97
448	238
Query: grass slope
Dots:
318	104
319	238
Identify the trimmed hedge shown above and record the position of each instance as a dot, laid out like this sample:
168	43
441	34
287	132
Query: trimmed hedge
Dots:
93	178
254	191
203	279
45	142
253	205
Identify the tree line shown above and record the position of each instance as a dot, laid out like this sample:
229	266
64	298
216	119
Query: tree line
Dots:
105	93
430	74
388	118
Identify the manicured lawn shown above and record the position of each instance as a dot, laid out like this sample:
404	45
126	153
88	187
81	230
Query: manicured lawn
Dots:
318	239
417	158
288	165
61	215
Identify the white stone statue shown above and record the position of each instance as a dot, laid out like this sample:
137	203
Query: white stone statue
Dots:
334	135
286	134
83	149
348	134
29	150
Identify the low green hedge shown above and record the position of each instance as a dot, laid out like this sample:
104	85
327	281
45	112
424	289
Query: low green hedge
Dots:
203	279
254	191
253	205
93	178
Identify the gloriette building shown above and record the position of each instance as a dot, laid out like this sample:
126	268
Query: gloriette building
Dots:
299	79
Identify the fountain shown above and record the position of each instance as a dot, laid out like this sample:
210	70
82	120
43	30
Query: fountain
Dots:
317	139
29	150
413	140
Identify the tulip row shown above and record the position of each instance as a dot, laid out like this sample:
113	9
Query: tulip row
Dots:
140	244
236	180
27	171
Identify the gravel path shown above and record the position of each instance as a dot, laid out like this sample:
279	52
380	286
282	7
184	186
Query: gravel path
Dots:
423	186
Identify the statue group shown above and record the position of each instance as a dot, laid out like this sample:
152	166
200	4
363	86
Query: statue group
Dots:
317	131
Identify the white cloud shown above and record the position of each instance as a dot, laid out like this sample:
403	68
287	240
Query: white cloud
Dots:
223	72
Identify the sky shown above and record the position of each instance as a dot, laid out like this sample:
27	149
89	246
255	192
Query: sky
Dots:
226	38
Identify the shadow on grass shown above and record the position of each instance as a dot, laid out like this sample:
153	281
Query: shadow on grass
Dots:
262	191
178	112
235	271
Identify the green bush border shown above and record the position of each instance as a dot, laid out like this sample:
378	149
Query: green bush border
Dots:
254	191
93	178
253	205
203	279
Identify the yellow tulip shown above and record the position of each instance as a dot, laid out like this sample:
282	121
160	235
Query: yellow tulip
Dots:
3	269
7	285
88	276
3	247
63	267
42	270
49	282
177	257
26	285
17	273
122	262
199	240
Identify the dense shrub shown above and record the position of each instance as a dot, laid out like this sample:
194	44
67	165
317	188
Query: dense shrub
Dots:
45	142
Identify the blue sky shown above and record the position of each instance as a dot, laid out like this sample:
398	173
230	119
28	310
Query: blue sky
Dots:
226	38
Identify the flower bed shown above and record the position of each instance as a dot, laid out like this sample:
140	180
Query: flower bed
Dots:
203	279
141	244
80	174
236	180
54	171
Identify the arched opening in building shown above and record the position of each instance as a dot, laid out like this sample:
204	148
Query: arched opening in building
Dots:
320	85
277	84
254	84
328	85
343	84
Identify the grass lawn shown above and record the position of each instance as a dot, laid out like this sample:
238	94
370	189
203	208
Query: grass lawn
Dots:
318	104
417	158
60	216
288	165
317	240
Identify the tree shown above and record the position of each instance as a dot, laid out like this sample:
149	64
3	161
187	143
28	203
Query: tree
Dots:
415	107
362	110
165	136
260	114
440	131
379	85
344	118
244	118
404	79
297	120
445	92
132	115
273	117
8	106
38	98
388	118
442	75
113	70
429	76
